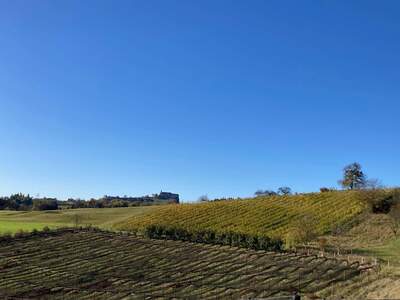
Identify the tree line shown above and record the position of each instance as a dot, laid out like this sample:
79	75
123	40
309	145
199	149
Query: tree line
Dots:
26	202
353	178
23	202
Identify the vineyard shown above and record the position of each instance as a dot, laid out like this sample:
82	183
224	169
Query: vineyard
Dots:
261	216
92	264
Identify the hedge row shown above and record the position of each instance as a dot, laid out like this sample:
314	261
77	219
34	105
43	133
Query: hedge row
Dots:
210	237
161	232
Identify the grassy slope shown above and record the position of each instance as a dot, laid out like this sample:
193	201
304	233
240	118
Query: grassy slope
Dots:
372	237
270	216
389	251
12	221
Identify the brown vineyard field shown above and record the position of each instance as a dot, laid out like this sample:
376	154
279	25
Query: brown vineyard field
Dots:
94	264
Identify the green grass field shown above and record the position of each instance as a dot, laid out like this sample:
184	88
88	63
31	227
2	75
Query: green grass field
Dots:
13	221
389	252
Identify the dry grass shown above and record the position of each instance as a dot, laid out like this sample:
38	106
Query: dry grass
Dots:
371	231
384	284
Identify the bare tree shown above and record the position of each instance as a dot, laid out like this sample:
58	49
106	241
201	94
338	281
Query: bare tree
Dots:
373	184
203	198
285	190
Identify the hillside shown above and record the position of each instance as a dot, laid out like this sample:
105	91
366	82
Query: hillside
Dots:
261	216
91	264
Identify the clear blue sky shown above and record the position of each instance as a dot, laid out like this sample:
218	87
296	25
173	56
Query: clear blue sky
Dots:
196	97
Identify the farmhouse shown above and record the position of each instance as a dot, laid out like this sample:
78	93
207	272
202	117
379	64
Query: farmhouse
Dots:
168	196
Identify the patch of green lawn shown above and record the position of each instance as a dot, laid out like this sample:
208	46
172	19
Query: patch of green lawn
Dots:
12	227
390	252
12	221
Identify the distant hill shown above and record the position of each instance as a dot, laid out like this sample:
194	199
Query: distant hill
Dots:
261	216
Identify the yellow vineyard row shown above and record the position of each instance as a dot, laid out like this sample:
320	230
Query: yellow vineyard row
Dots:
261	216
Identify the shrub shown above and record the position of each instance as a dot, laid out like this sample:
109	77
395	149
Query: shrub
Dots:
20	233
380	200
5	237
292	239
252	242
209	236
302	231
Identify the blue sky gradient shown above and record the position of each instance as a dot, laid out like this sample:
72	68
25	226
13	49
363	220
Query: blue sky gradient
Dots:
196	97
